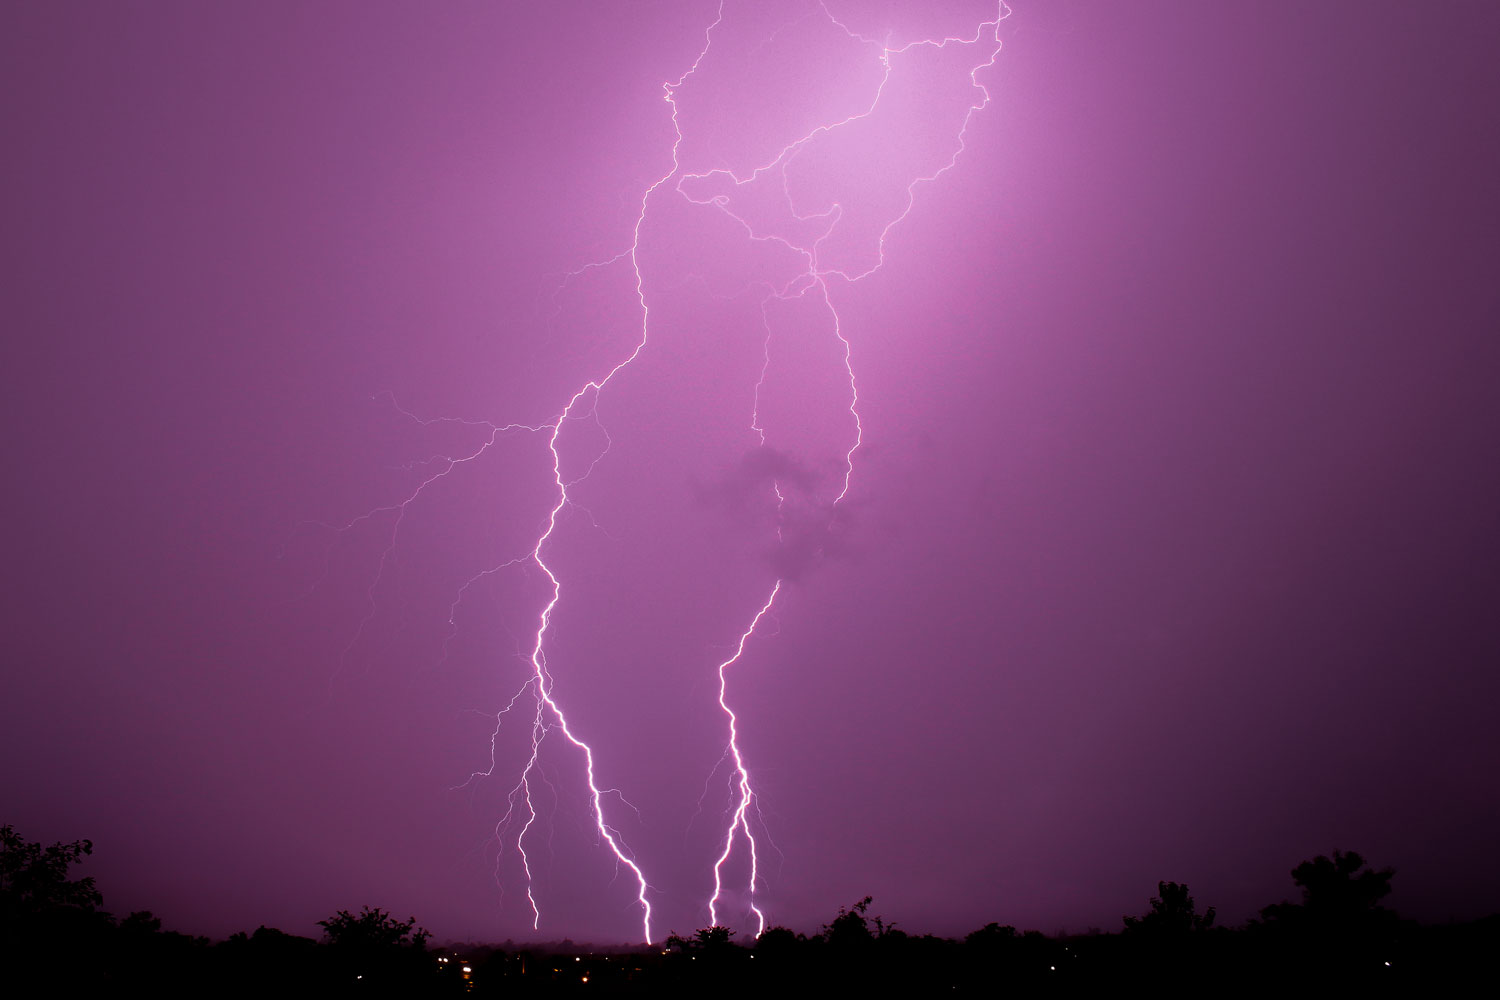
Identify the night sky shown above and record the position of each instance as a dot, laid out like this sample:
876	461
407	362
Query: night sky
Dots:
1170	548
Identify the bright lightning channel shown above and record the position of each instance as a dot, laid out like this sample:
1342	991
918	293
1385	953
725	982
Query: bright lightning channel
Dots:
540	677
813	279
815	276
739	820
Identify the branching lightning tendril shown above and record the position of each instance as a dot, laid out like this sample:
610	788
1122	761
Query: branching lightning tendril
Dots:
812	283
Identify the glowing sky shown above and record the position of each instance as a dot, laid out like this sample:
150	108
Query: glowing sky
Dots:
1168	550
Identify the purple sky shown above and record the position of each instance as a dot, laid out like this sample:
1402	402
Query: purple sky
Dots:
1170	551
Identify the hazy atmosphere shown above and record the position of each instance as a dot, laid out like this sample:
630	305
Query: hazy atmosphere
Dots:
1153	537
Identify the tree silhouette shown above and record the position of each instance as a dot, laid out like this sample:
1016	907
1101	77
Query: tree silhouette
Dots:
1172	913
1337	891
47	918
377	950
374	930
712	940
717	936
1337	886
777	940
1339	928
269	958
34	878
992	935
850	929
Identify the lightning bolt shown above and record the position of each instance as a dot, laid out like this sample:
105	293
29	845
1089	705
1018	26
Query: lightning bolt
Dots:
804	232
546	704
739	821
814	278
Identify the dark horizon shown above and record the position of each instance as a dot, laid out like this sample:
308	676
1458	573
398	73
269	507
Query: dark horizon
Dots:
1337	935
1338	895
1168	552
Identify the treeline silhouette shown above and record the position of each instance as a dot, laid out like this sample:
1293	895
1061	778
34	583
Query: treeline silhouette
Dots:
56	940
